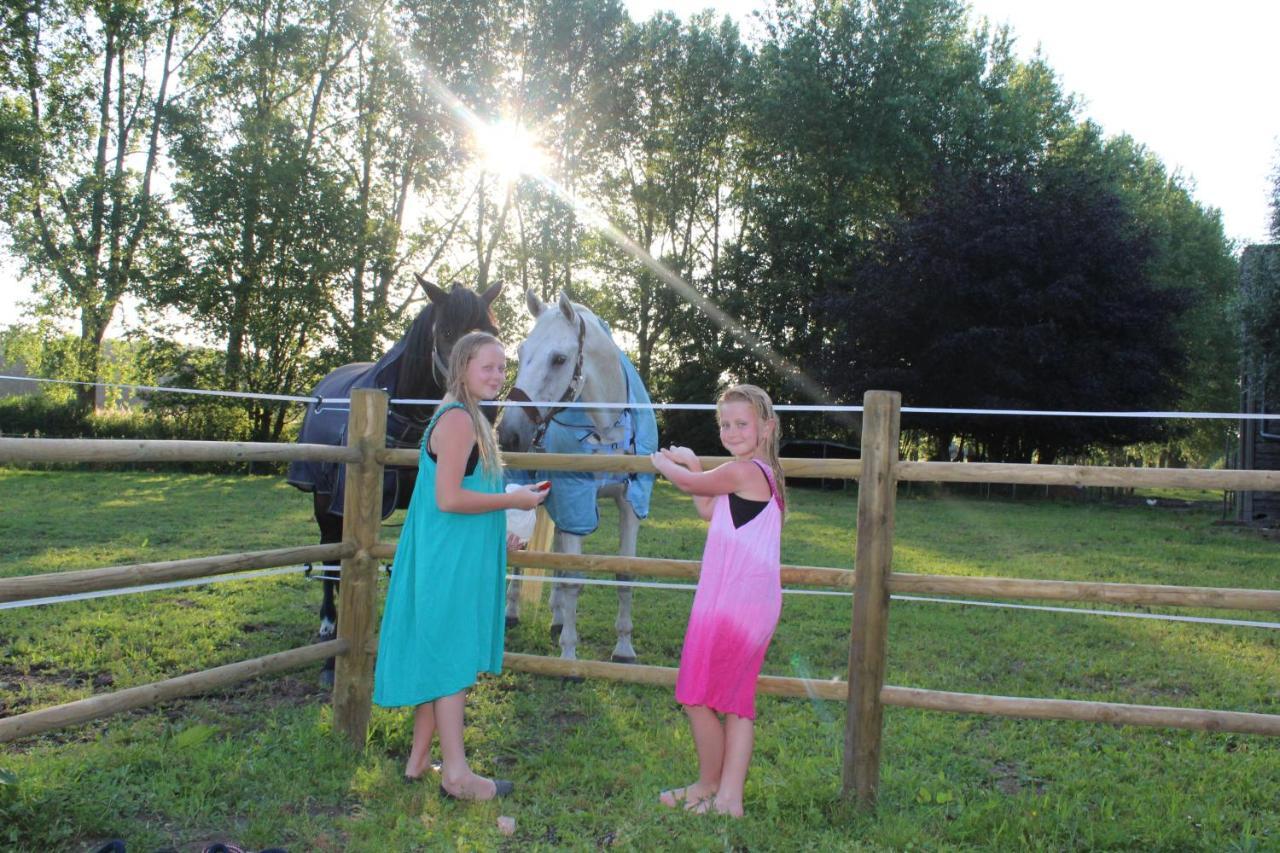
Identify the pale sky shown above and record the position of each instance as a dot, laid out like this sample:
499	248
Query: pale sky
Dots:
1195	82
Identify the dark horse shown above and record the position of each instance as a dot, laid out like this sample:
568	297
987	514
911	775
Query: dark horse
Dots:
415	368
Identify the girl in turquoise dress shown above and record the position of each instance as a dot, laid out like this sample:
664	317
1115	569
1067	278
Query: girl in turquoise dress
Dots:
443	621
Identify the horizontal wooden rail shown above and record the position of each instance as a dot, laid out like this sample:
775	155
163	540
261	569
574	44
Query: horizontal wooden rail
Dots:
832	468
1086	712
83	710
660	568
1150	595
128	450
1088	475
934	700
936	472
643	566
115	577
1225	598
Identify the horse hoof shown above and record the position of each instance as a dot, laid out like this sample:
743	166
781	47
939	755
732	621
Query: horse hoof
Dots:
512	621
621	659
555	631
326	678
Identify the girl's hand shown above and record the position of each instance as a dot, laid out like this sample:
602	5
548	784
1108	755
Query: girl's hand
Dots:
661	462
527	497
514	542
683	456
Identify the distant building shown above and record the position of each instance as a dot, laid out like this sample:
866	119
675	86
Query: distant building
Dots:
125	397
15	387
1259	439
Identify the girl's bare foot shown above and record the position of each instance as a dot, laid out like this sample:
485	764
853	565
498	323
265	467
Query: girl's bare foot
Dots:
733	808
717	805
413	772
692	796
470	787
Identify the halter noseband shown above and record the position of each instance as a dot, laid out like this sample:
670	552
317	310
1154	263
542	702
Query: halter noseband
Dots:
570	395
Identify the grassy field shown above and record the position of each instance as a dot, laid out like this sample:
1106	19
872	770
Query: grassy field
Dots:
259	765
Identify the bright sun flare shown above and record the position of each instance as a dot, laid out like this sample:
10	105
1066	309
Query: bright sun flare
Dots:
509	149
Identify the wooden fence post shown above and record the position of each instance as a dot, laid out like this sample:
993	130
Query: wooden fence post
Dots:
877	496
361	517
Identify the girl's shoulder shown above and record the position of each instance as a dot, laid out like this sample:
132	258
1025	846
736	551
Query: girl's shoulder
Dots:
454	424
454	413
736	466
749	475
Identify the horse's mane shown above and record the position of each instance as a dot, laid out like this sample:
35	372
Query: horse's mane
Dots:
416	359
458	313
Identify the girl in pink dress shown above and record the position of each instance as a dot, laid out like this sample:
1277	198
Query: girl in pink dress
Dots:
739	596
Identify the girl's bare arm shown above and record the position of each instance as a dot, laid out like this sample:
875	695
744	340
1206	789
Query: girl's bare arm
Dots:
451	441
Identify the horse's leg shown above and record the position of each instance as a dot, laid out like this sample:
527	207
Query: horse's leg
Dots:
568	543
330	532
513	600
554	600
628	530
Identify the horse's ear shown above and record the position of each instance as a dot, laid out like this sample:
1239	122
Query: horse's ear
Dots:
434	293
566	307
490	295
536	305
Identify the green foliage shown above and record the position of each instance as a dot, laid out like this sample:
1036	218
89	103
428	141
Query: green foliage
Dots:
1258	311
54	412
1017	292
75	183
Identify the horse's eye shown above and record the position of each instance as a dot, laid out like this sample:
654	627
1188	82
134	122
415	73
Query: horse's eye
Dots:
558	359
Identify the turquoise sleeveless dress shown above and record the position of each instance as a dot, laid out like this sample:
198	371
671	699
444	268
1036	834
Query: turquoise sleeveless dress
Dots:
443	623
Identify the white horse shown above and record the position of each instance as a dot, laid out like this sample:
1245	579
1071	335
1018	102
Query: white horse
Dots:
570	356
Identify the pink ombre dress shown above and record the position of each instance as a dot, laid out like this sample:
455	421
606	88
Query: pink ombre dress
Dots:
735	609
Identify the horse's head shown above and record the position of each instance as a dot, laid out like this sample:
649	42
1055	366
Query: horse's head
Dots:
453	313
567	357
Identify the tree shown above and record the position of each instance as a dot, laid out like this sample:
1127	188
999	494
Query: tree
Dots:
670	180
854	109
268	217
1190	255
1018	291
82	90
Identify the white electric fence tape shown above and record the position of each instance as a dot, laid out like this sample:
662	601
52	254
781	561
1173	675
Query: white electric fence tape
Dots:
336	402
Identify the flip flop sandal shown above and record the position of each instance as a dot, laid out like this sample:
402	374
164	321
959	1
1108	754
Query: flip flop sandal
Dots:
678	796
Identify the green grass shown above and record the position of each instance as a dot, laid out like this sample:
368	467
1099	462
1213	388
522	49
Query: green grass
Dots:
259	765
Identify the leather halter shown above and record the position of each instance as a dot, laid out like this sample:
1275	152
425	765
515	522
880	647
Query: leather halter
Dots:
570	395
439	367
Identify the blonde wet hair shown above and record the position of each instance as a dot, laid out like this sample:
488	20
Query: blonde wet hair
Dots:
759	401
463	352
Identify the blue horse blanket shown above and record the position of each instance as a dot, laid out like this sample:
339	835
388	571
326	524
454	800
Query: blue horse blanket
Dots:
326	423
572	503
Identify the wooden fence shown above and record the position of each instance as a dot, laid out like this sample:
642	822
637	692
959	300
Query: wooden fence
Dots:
878	472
